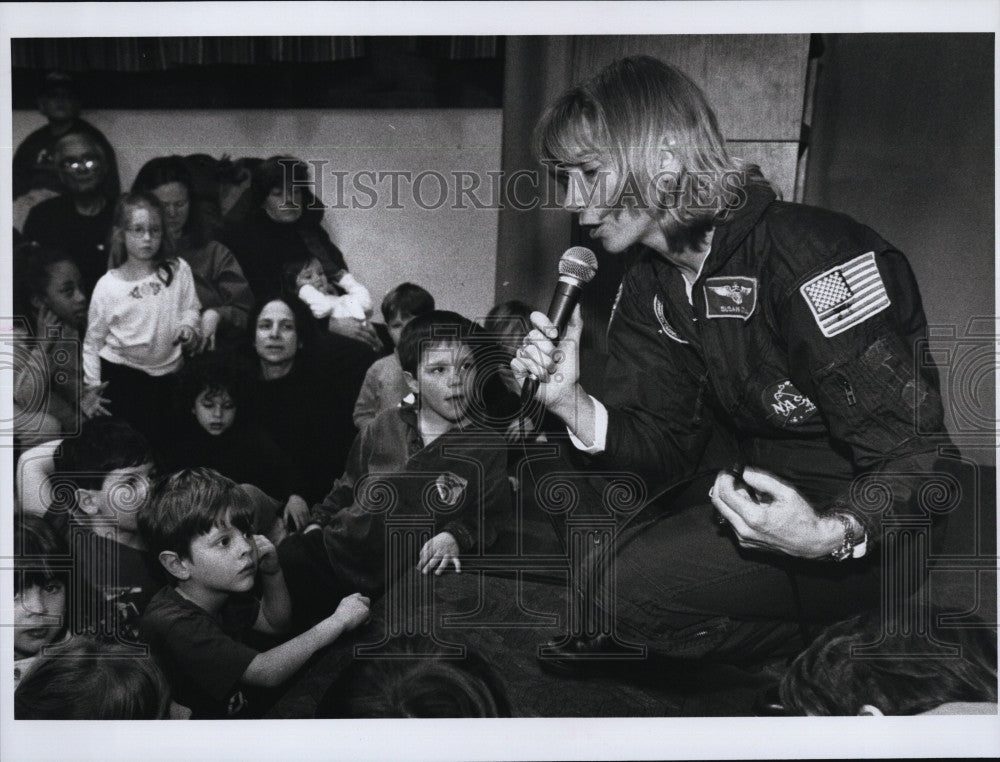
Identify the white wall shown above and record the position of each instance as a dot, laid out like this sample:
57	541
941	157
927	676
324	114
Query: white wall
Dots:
449	251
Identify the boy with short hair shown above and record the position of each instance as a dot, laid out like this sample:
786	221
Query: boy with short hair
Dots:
432	460
107	469
385	386
98	482
199	524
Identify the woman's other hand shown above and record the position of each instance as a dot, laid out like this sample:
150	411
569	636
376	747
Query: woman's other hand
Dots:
777	518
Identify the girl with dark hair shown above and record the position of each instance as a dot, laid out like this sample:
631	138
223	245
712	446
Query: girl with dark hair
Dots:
143	316
225	295
40	597
53	305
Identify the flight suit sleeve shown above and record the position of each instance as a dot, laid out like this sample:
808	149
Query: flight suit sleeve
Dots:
854	327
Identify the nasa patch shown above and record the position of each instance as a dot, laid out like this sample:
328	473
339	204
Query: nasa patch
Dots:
787	406
732	296
665	327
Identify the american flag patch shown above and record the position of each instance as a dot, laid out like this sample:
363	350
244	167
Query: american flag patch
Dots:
846	295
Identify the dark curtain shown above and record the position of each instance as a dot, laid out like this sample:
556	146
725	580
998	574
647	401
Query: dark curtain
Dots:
161	53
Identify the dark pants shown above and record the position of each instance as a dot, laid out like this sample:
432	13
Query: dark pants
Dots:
683	587
145	401
313	583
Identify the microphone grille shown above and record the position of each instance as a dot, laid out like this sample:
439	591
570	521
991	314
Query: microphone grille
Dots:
579	262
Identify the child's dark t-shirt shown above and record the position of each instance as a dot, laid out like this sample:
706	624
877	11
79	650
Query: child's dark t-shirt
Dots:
203	654
112	582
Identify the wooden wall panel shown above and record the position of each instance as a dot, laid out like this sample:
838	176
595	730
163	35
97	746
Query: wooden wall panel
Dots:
756	83
778	161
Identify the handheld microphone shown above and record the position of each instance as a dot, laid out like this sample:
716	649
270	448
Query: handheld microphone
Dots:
577	267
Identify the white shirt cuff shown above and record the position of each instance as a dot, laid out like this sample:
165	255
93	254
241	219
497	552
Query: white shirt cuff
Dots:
600	431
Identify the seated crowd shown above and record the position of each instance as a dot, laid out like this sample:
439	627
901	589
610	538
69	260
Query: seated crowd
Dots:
206	413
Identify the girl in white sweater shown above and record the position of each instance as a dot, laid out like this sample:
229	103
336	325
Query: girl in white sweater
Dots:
144	314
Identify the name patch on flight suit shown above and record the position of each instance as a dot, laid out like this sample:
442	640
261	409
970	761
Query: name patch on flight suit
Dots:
785	405
732	296
665	327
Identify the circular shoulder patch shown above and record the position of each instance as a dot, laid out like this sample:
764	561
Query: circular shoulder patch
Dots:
785	405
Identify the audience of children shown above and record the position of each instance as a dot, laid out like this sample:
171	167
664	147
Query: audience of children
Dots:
199	525
202	565
223	291
385	385
144	315
428	448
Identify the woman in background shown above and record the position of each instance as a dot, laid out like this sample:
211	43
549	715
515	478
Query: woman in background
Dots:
225	295
298	396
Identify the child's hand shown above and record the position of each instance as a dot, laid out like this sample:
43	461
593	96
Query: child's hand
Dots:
47	319
92	401
188	338
296	512
267	555
437	553
209	325
352	611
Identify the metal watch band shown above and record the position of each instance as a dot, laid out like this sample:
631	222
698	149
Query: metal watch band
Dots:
846	550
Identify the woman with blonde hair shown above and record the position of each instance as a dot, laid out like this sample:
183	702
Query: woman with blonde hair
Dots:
770	337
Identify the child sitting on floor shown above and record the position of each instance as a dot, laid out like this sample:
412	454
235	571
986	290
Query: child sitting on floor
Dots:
211	391
385	386
432	460
199	525
101	481
39	590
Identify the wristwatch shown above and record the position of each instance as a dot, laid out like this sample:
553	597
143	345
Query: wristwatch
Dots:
852	546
